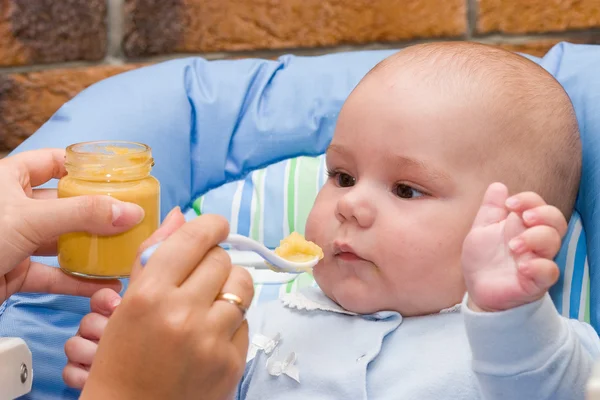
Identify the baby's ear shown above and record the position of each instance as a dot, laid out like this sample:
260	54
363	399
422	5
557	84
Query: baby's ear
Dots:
492	209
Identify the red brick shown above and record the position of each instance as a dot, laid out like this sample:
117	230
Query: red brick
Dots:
27	100
522	16
168	26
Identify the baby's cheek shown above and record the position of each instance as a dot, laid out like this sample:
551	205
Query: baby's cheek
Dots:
322	222
312	225
310	233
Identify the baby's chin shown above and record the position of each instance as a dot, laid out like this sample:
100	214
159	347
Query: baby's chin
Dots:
351	294
357	296
357	306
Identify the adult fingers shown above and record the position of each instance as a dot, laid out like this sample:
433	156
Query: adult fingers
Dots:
44	194
37	166
240	340
47	248
173	221
49	245
101	215
227	315
41	278
181	253
207	280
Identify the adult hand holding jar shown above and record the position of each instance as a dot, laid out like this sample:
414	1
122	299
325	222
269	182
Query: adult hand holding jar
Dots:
32	219
172	336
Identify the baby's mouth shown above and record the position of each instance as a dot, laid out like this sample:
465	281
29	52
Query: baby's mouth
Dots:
345	252
347	256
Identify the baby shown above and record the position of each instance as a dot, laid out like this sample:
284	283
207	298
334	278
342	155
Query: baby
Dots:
435	277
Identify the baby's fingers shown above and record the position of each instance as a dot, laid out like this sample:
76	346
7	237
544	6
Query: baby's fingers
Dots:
524	201
75	375
543	272
546	215
541	240
92	326
80	351
105	301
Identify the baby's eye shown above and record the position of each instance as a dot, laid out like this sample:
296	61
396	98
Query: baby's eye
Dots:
345	180
406	192
342	179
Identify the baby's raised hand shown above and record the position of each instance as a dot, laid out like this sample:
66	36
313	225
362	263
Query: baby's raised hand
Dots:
81	349
508	255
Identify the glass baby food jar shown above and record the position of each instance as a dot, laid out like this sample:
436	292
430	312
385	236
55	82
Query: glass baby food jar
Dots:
119	169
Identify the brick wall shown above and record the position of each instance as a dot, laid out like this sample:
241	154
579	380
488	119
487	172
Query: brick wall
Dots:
52	49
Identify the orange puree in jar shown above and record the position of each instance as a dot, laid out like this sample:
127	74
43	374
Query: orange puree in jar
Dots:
117	169
296	248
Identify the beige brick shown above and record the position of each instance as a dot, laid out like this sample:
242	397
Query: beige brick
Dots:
167	26
46	31
27	100
522	16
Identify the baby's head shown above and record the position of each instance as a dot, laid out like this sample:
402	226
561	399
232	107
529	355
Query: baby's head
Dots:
416	145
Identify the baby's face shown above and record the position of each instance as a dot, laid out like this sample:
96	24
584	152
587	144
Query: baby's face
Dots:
401	197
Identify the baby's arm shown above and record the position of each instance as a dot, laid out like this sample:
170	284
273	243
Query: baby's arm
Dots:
521	347
531	352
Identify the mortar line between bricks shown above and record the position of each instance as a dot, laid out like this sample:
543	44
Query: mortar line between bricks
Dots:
298	51
572	33
490	38
499	38
114	28
47	67
472	16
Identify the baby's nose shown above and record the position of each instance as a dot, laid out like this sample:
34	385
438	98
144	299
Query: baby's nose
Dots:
357	207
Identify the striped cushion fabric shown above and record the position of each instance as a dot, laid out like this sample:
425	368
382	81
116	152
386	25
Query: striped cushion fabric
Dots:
271	203
571	294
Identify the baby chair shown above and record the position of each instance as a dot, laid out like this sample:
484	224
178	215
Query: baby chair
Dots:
244	139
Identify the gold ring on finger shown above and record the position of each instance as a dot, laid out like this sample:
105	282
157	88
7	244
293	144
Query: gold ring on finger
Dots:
233	299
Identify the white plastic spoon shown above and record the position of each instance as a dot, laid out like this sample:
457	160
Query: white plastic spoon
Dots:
244	243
